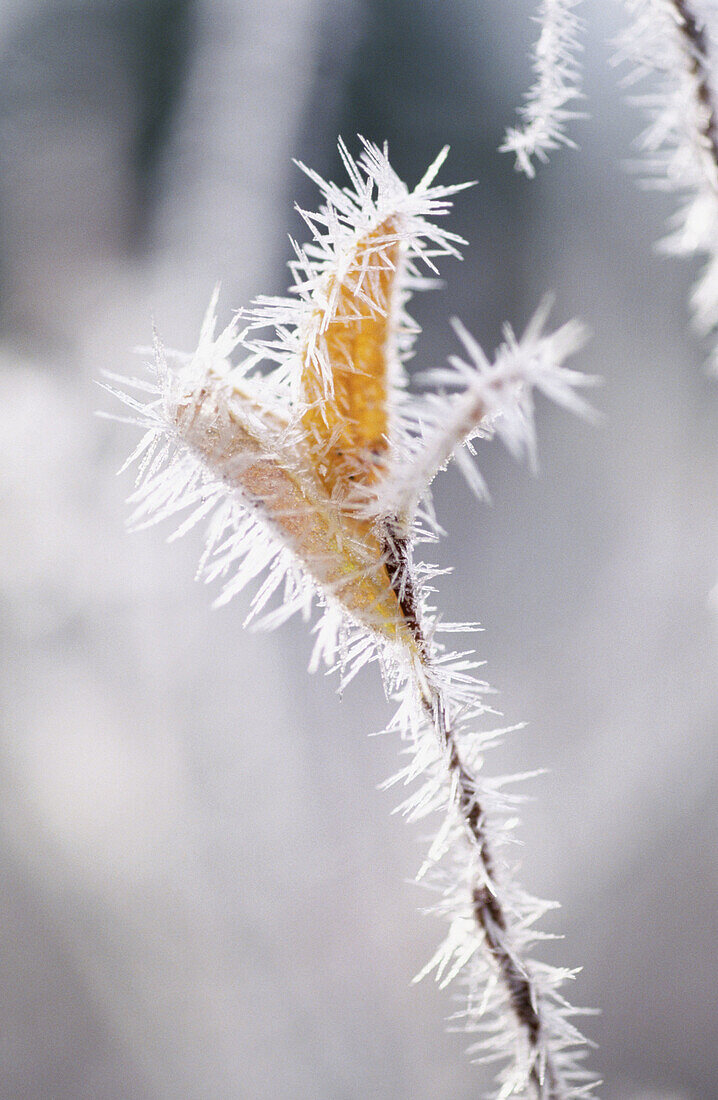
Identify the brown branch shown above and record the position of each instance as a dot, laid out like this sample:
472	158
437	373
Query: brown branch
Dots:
488	911
490	914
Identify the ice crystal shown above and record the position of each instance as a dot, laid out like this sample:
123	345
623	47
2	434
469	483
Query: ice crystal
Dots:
673	40
312	466
557	84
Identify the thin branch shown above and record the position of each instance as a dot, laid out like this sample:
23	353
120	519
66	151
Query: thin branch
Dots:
670	39
257	456
696	47
493	923
557	82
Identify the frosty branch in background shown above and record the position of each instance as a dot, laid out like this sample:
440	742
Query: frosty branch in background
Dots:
557	74
671	40
312	464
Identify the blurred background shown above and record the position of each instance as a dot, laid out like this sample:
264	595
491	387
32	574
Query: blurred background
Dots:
203	891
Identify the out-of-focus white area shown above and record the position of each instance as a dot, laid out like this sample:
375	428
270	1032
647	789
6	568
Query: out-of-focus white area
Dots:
204	894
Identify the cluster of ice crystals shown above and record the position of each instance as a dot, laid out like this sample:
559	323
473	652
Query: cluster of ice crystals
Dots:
323	494
546	111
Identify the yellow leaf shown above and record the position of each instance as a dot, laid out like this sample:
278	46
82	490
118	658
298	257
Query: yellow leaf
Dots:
339	551
347	425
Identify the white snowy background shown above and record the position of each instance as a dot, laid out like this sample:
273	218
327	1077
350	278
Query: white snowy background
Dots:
203	893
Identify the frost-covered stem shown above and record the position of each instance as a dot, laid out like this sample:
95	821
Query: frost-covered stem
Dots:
696	47
317	473
490	390
673	40
467	417
492	919
557	82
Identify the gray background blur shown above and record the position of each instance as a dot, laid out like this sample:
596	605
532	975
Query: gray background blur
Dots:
203	893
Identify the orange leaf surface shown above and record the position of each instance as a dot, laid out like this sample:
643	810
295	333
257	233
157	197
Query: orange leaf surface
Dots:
347	426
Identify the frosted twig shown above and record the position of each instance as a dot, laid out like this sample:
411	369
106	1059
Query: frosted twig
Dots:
557	83
482	393
317	473
671	40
